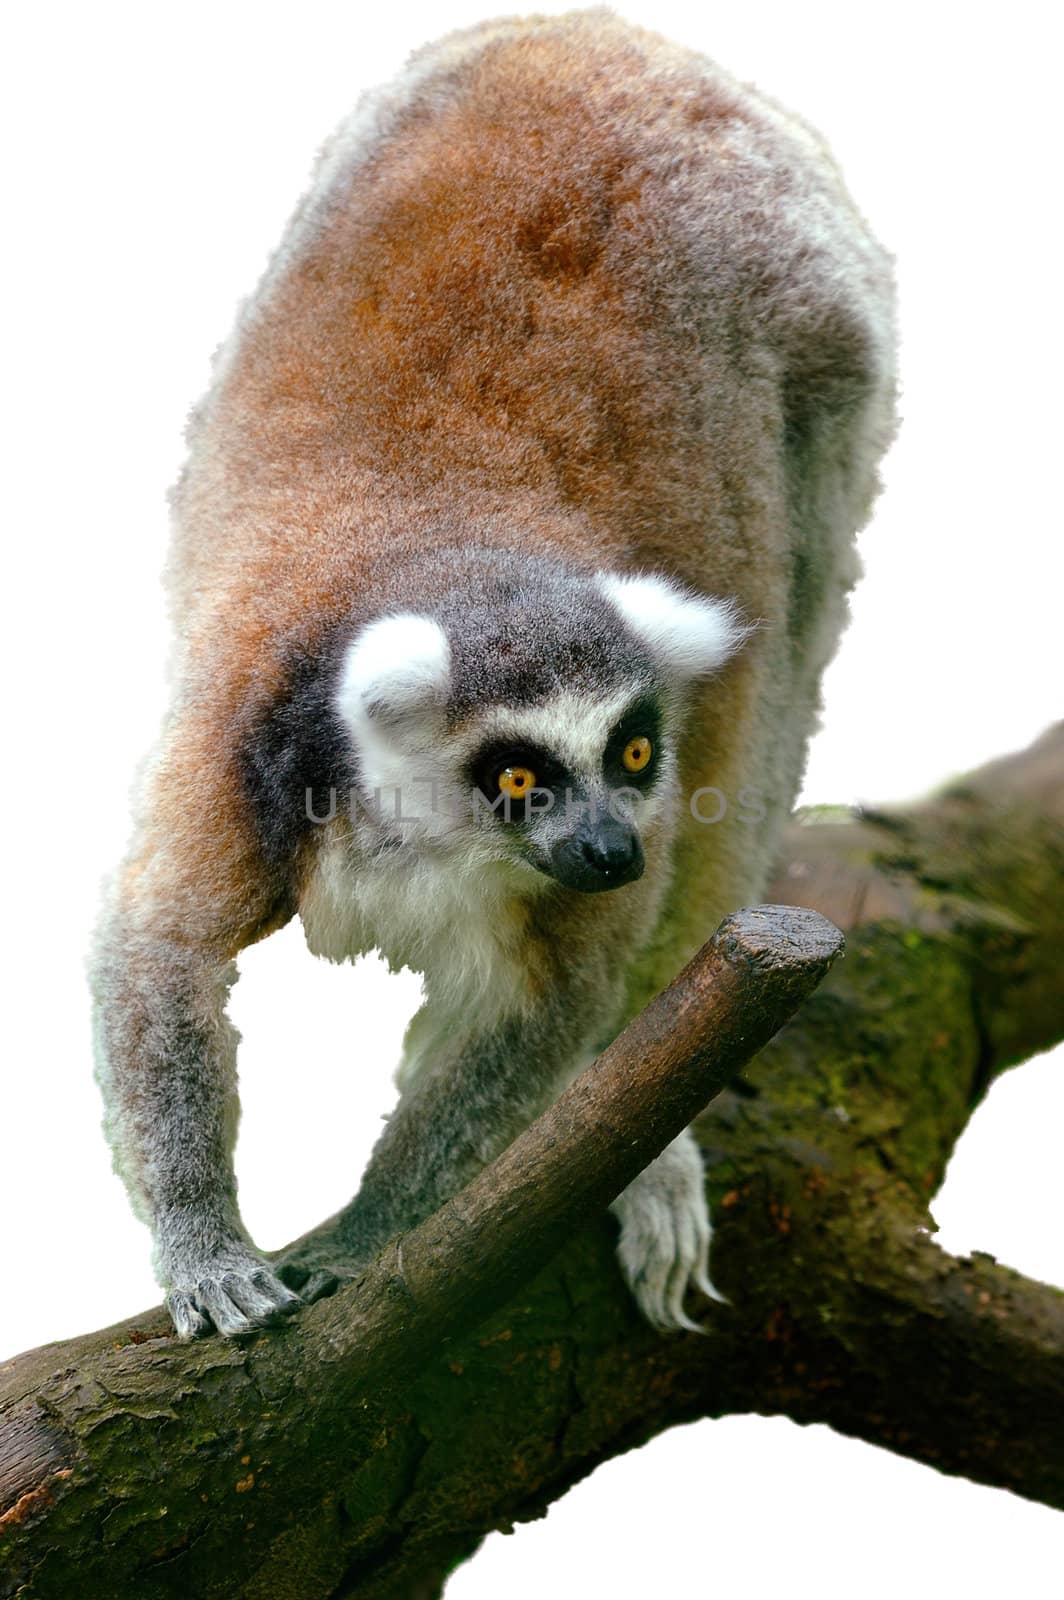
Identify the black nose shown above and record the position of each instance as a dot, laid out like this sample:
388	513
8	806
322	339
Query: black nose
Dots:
610	854
602	856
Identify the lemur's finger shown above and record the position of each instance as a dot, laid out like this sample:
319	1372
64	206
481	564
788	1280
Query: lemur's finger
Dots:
276	1291
252	1294
686	1247
227	1318
188	1322
704	1283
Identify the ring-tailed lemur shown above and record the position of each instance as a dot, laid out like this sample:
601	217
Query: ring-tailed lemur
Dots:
519	514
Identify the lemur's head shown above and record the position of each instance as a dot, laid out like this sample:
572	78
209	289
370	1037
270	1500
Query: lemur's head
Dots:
531	715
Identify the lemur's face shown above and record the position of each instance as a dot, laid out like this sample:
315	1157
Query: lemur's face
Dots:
569	785
532	723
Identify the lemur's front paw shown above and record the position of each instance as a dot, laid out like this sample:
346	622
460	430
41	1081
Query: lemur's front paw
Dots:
665	1233
232	1298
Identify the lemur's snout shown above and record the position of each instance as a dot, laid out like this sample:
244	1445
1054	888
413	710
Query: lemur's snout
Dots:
601	855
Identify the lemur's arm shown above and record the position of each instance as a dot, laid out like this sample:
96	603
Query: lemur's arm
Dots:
192	893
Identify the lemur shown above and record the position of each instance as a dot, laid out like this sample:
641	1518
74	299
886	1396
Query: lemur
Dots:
519	514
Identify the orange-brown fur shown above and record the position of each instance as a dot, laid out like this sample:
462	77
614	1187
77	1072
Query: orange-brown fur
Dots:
475	343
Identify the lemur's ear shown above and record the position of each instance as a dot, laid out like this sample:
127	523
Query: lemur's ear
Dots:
396	668
688	634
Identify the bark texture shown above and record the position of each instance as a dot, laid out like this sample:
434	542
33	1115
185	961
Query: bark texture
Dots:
478	1370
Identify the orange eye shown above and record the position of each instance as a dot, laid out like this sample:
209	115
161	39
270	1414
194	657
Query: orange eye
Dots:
637	754
516	781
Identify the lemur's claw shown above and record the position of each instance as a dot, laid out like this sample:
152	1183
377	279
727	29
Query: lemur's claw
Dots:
232	1301
188	1322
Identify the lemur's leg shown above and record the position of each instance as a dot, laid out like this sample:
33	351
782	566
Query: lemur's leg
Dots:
663	1249
192	893
717	866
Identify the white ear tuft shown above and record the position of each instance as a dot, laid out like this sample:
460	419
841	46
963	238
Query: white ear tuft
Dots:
394	668
688	634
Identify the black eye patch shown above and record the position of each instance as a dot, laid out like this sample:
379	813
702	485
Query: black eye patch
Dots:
487	766
641	721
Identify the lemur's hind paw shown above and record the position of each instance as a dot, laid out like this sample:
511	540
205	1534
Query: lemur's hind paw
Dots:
665	1234
231	1301
315	1268
311	1283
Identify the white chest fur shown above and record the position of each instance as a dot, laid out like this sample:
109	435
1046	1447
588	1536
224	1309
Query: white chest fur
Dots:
459	923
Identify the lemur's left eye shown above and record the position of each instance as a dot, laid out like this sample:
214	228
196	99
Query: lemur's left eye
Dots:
636	754
516	782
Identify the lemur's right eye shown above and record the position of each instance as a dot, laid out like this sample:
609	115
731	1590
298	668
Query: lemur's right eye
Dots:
517	782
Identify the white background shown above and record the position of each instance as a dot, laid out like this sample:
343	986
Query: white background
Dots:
153	155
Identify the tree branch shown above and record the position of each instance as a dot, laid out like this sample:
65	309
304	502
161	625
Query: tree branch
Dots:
959	1363
822	1162
428	1285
